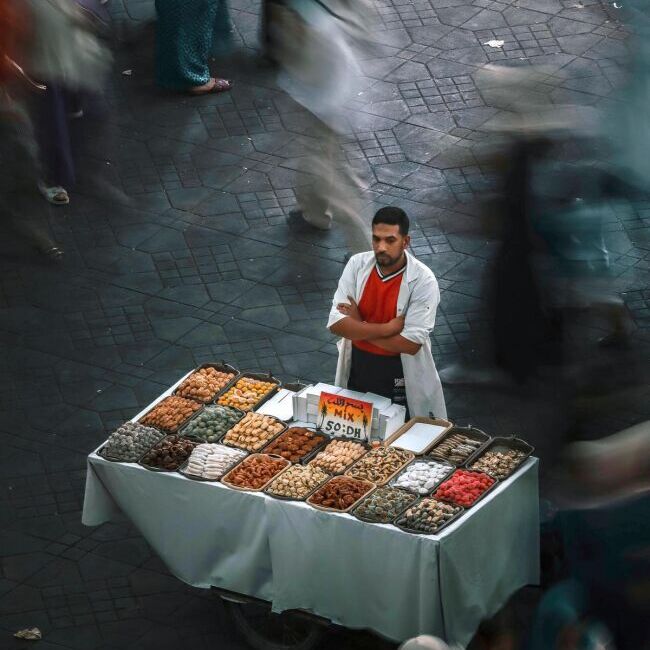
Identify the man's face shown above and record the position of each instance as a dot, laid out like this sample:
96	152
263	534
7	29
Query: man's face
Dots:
388	244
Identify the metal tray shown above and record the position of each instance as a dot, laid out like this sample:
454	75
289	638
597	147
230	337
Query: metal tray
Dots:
160	469
283	498
414	531
308	459
222	367
370	520
383	482
181	469
225	481
420	459
268	442
496	482
207	406
498	443
470	432
180	425
259	376
352	505
325	440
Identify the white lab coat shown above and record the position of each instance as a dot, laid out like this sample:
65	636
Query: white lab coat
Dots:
418	300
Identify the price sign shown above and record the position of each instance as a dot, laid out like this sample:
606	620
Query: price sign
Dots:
344	416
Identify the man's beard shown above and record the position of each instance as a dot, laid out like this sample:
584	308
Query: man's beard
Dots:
385	260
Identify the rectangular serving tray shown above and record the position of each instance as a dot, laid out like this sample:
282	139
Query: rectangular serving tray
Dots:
222	367
383	482
414	531
407	426
351	506
226	482
259	376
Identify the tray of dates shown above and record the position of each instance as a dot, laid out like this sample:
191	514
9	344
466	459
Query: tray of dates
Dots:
340	494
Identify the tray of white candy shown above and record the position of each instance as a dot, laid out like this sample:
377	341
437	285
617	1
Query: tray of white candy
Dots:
209	461
422	476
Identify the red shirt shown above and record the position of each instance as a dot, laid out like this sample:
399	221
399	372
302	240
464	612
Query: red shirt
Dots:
378	304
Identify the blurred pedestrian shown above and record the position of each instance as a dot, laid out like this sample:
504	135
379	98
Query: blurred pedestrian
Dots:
186	35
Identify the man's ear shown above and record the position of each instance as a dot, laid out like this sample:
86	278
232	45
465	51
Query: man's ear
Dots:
407	241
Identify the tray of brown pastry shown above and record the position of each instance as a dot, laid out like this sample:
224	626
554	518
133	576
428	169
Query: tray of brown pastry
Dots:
383	505
338	455
170	414
297	482
380	464
340	494
501	457
250	391
255	472
296	443
459	445
169	454
254	431
207	381
428	516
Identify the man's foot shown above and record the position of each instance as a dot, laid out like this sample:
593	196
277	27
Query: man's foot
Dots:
213	86
55	194
298	216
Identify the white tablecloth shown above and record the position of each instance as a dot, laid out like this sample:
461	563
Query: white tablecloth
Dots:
356	574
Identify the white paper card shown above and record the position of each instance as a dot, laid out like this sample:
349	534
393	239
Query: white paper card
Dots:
419	437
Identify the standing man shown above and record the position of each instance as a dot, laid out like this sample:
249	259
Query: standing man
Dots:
384	309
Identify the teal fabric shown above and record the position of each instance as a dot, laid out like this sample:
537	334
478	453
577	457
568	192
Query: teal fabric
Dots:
188	33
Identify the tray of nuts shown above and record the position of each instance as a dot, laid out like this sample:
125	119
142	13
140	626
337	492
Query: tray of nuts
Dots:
383	505
297	482
296	443
169	454
380	464
422	476
170	414
207	381
255	472
250	391
338	455
464	488
502	457
129	442
210	462
254	431
340	494
212	422
459	445
428	516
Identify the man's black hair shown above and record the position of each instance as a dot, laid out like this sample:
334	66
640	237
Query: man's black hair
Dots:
393	217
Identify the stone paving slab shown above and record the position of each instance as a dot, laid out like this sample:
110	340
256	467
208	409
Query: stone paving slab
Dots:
179	252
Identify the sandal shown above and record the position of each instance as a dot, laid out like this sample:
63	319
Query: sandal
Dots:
213	86
56	194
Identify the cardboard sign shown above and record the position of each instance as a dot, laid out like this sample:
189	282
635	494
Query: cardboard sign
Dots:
344	416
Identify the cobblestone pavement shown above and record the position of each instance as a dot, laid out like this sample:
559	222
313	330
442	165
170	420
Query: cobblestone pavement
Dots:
191	258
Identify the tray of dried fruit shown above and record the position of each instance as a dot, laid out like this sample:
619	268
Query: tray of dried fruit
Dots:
501	457
129	442
459	445
169	454
170	414
297	483
210	462
338	455
465	488
340	494
207	382
255	472
415	519
254	432
422	476
383	505
381	464
297	443
250	391
212	422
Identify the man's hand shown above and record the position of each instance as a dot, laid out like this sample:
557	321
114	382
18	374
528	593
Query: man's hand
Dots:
351	310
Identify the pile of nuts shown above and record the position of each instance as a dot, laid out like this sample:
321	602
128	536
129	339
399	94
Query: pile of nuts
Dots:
246	393
338	456
427	516
456	448
130	441
204	384
422	476
464	488
297	482
499	464
211	462
212	423
384	504
255	471
340	493
295	443
169	454
253	431
379	464
169	414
